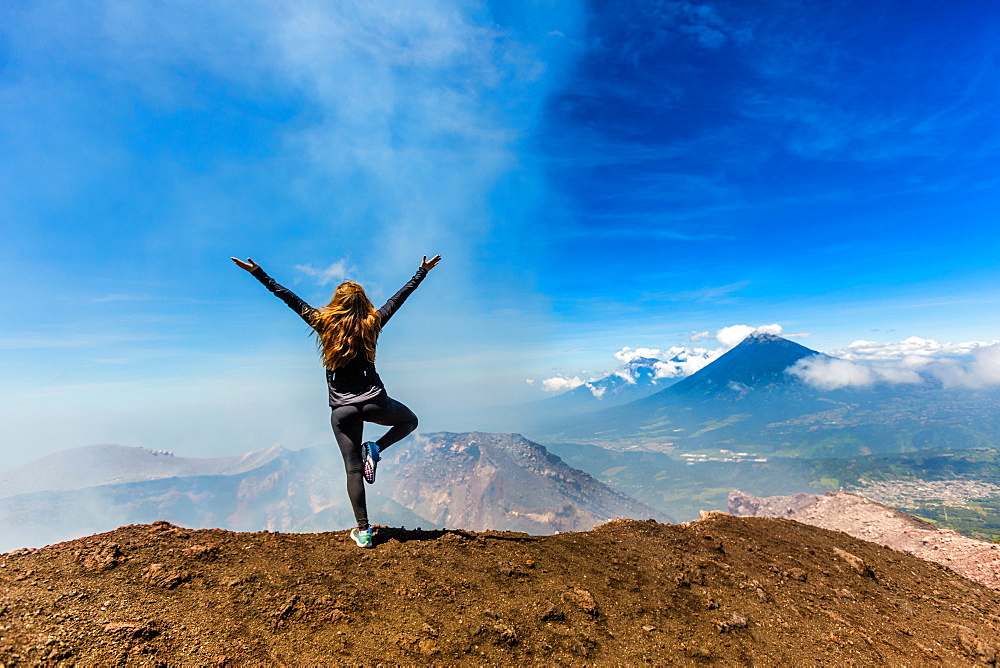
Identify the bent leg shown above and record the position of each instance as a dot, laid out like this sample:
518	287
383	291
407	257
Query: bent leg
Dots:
390	413
347	429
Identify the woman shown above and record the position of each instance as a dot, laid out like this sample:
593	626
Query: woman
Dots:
346	331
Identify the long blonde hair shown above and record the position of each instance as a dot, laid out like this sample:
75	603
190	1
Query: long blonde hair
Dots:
349	325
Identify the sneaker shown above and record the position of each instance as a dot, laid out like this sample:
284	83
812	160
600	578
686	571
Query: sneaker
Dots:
371	457
362	538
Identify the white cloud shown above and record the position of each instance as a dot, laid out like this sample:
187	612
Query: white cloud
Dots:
897	375
731	336
909	361
981	371
560	383
626	354
529	381
563	383
336	272
671	362
625	375
684	361
863	363
828	373
913	346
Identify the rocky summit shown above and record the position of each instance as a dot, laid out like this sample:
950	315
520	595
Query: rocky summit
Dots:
721	590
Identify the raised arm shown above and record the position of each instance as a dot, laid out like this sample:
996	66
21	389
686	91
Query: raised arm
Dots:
281	292
394	302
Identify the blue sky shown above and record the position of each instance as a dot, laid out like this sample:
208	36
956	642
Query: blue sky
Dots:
596	175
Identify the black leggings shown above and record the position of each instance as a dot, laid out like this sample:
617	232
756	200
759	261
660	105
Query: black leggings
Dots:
348	422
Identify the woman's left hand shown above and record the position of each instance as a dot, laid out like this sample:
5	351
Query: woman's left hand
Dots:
249	265
427	265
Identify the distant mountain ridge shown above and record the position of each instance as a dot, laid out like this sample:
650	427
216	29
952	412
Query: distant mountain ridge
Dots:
736	387
747	400
633	380
483	481
93	465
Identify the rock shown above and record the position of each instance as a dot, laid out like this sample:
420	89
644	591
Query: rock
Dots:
288	608
748	505
159	575
580	648
102	558
427	647
59	654
134	630
202	552
451	537
855	562
552	613
975	648
583	599
736	621
506	634
797	574
699	653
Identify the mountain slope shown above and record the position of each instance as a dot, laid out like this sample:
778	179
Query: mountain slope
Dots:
723	590
501	481
758	363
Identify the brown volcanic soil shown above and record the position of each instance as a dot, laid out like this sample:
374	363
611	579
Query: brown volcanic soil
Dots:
724	589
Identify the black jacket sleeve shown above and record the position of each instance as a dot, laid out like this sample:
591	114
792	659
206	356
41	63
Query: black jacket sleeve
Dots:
394	302
284	294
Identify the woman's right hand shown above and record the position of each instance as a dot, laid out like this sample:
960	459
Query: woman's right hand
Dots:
249	265
427	265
